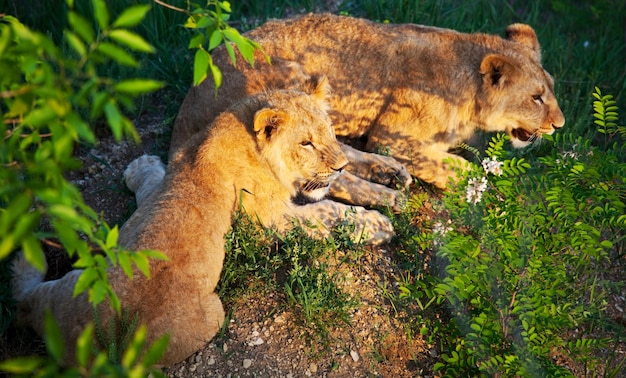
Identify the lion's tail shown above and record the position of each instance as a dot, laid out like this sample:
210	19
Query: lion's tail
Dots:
143	176
25	277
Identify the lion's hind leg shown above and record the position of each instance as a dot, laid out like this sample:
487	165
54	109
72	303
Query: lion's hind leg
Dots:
143	176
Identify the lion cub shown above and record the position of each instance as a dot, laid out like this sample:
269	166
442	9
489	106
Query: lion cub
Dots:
261	153
415	91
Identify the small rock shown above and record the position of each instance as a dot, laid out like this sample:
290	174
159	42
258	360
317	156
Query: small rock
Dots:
313	368
225	348
257	341
211	361
247	363
354	355
279	319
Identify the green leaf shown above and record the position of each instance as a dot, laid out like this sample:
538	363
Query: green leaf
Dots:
81	26
215	40
124	260
156	351
85	280
101	13
117	54
76	123
131	16
64	212
138	86
98	292
114	118
131	40
112	237
75	43
142	263
225	5
606	244
200	66
205	22
33	253
54	337
21	365
134	349
41	116
196	41
217	75
244	47
231	52
84	345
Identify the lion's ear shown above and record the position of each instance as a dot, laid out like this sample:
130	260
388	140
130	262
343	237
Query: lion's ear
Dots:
524	34
318	87
497	70
267	121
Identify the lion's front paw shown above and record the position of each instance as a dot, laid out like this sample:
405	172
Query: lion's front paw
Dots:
390	172
143	176
373	227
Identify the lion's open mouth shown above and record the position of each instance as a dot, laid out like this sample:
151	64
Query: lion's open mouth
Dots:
522	134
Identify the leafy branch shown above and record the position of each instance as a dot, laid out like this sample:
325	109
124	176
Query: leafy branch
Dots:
211	29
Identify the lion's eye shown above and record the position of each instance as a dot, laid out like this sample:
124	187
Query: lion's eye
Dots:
538	99
306	143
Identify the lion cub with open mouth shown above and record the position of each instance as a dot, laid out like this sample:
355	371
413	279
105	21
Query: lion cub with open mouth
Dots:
260	154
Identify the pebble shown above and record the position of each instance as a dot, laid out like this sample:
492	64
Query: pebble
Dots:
256	342
354	355
279	319
247	363
313	368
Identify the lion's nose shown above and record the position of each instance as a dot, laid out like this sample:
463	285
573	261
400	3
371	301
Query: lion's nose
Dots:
339	168
340	163
558	121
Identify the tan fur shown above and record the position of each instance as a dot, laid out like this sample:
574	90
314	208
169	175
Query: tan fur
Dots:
416	90
260	154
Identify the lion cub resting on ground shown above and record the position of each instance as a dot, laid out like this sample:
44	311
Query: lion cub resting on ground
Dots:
414	90
262	153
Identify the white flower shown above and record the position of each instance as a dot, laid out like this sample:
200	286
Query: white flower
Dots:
441	228
571	155
475	189
492	166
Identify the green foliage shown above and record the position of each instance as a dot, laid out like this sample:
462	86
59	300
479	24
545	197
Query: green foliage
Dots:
211	29
605	114
525	250
45	97
136	360
306	270
48	97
